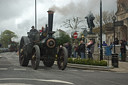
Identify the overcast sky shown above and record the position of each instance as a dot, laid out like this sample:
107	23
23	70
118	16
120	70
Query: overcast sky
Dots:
18	15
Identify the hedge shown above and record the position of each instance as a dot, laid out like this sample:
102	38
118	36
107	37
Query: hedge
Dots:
87	62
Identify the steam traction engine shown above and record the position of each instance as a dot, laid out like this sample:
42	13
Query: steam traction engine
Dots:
34	48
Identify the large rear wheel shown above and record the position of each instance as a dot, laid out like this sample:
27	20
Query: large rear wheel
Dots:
23	59
62	58
35	57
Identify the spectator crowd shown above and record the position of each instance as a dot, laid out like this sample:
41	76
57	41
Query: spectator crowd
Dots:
81	49
85	50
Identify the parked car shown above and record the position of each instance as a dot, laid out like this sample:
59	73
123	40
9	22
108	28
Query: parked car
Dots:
4	49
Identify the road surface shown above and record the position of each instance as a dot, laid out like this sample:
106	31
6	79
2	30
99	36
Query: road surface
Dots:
11	73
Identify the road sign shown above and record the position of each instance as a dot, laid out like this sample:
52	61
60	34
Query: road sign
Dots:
119	23
75	35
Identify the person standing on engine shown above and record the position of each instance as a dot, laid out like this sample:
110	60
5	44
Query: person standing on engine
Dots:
33	29
33	35
43	33
42	29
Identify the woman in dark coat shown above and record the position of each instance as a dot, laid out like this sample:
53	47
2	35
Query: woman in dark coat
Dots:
123	50
82	49
69	48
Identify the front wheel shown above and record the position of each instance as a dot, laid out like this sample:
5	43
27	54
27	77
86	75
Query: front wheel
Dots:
23	58
62	58
35	57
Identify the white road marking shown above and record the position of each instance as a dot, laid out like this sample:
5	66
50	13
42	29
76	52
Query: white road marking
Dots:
121	72
87	70
114	83
43	80
15	84
73	70
4	69
105	71
19	69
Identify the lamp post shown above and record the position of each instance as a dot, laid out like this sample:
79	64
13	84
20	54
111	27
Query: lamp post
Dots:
35	16
114	19
114	56
101	50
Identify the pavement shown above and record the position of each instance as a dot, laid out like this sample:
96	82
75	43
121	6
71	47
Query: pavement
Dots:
122	67
89	67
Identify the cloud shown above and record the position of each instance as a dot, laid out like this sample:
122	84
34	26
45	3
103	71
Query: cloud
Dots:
11	10
83	7
71	9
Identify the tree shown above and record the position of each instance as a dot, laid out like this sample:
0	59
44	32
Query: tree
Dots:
6	36
63	38
73	23
106	18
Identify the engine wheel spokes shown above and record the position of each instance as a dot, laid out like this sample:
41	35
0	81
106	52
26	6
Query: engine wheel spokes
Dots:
49	61
62	58
35	57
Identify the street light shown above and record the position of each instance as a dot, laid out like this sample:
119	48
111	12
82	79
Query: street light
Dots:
114	19
35	16
114	56
101	49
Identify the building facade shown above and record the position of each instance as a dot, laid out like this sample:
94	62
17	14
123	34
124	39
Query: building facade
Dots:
121	32
122	15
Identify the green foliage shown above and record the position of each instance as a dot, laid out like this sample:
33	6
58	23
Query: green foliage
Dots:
87	62
63	38
70	60
5	38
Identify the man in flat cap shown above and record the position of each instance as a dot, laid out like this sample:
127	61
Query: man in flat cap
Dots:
33	34
32	29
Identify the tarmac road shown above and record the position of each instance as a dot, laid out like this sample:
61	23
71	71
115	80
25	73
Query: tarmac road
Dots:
11	73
